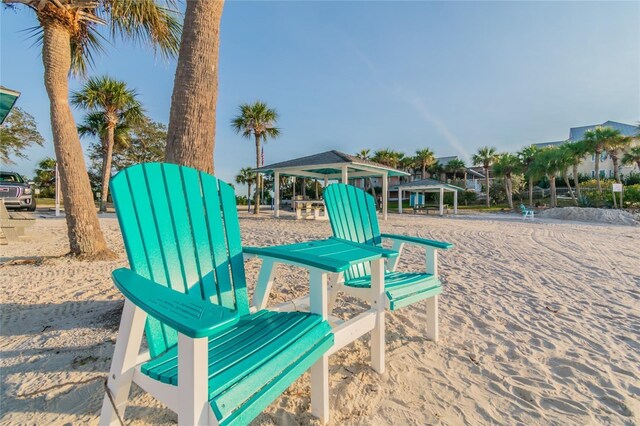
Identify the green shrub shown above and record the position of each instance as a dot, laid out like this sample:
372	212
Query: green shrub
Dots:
631	196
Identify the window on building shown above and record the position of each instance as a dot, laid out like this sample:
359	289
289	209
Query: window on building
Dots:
593	173
593	157
603	173
610	173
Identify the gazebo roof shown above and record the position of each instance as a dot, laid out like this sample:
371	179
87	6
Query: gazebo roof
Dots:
8	98
329	164
427	185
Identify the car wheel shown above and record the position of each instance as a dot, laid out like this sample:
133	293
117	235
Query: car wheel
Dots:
32	207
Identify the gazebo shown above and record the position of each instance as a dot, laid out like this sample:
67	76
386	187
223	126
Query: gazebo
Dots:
331	165
423	186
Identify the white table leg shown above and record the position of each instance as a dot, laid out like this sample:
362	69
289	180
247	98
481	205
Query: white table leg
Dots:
320	370
377	303
266	277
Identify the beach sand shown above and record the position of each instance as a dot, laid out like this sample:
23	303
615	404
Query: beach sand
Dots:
539	324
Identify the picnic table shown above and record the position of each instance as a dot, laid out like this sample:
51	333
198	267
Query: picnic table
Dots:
12	225
427	208
326	260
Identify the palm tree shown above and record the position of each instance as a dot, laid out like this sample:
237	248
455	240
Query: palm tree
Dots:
527	156
505	166
456	165
546	163
425	159
596	141
69	39
113	103
257	120
388	157
247	177
365	154
485	157
192	119
566	159
576	151
407	164
632	156
614	147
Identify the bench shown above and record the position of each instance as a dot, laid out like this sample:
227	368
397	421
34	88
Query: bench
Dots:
427	208
12	225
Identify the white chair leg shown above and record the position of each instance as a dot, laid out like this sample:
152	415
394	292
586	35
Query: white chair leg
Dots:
432	318
320	370
378	303
266	278
335	285
123	364
393	262
193	383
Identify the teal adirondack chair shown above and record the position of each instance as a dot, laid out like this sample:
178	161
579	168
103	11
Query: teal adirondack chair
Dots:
352	213
526	213
210	359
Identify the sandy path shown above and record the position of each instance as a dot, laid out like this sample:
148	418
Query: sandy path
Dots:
540	324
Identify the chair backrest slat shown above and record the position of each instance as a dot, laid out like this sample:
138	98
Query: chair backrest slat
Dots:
180	228
353	217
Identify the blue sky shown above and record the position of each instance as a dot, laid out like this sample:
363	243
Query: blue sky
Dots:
350	75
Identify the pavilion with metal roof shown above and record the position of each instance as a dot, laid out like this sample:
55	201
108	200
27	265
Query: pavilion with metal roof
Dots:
423	186
331	165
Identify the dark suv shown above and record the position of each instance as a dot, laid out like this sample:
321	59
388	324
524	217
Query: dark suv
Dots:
15	192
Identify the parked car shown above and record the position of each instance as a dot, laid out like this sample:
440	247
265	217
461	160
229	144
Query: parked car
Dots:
15	192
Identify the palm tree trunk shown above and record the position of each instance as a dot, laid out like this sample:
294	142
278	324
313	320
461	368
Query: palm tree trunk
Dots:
373	190
256	207
509	191
552	188
315	185
597	170
576	181
106	167
486	185
248	192
530	191
192	120
85	237
424	171
565	176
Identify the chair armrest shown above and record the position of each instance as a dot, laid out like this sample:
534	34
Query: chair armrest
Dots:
419	241
189	315
332	254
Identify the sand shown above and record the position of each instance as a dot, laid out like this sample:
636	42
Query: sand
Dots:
540	324
590	214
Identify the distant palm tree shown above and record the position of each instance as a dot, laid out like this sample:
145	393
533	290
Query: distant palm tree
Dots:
576	151
615	147
485	157
438	170
566	159
388	157
112	102
456	165
408	164
596	141
527	156
259	121
505	166
69	39
365	154
424	159
546	163
632	156
247	177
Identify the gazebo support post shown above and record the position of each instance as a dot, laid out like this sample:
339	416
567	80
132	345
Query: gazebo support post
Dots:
345	175
385	194
276	193
441	201
455	202
399	200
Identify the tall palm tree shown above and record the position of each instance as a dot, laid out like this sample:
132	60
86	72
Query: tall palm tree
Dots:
596	141
632	156
485	157
576	151
70	38
615	147
425	159
365	154
113	102
505	166
192	119
454	166
527	156
259	121
407	164
247	177
566	159
388	157
546	163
